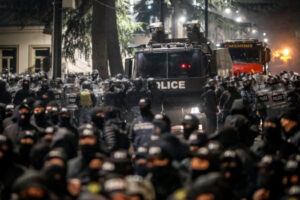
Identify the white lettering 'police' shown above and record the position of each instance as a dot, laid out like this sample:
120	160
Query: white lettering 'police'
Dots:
170	85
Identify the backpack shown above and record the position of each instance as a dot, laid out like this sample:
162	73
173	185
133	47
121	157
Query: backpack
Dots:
86	99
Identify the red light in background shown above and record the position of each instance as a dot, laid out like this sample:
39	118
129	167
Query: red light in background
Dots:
184	66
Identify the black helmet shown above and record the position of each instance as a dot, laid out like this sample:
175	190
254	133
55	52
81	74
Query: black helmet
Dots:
163	122
119	76
190	119
50	130
95	72
86	85
197	139
270	162
86	132
230	155
145	102
44	84
156	150
57	153
211	82
58	81
29	134
202	152
292	167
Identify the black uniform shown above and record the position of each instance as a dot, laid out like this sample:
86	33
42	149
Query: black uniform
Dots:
5	96
227	99
23	93
210	109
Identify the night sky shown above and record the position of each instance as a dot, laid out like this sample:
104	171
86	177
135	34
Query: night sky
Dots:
281	21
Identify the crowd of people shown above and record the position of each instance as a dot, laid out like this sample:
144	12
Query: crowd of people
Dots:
244	151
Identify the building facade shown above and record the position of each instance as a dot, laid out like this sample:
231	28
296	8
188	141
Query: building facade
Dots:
24	49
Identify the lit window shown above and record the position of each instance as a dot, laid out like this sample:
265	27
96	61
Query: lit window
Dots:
8	57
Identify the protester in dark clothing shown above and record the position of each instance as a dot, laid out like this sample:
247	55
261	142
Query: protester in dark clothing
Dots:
140	162
106	132
39	120
25	144
9	170
210	187
52	113
66	140
190	124
88	147
291	127
209	106
122	162
55	172
272	143
201	163
234	174
32	185
17	129
85	100
115	126
65	122
92	174
249	100
162	124
142	127
173	146
38	154
45	94
227	99
269	176
164	177
239	119
24	93
5	96
2	116
9	119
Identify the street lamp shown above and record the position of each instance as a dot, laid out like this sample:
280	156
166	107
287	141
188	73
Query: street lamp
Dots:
264	34
266	40
239	19
227	10
254	31
286	52
182	19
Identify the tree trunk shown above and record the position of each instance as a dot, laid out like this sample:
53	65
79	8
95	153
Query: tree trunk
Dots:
113	46
99	42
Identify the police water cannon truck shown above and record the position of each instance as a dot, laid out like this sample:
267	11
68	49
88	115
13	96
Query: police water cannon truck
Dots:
179	68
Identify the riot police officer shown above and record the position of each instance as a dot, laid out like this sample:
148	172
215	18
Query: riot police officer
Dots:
5	96
142	127
227	99
190	125
23	93
44	93
86	100
209	106
249	99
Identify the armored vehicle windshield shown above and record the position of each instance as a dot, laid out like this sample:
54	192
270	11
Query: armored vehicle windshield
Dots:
170	64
